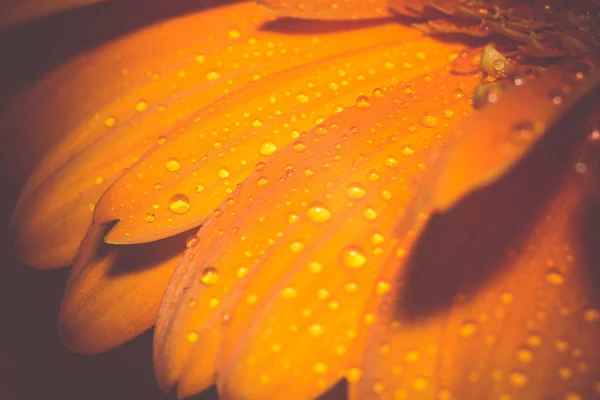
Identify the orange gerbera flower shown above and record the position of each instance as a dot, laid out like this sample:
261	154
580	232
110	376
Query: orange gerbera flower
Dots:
359	220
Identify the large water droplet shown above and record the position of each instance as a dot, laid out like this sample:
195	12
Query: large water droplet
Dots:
180	204
352	257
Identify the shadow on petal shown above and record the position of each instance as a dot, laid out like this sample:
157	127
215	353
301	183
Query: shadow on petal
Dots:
472	240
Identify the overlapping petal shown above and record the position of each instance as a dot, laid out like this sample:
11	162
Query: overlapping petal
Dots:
508	308
113	293
13	12
186	178
328	10
286	263
144	84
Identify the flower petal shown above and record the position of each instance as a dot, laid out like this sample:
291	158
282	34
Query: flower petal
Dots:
163	74
225	141
248	273
505	309
510	134
15	12
113	293
327	10
529	331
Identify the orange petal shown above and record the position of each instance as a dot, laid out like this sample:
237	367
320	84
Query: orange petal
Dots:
327	10
15	12
504	309
338	174
113	293
225	141
528	331
509	133
138	98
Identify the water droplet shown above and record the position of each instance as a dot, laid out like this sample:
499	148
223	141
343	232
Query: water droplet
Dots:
555	277
289	292
565	373
320	368
209	276
315	267
299	146
591	315
408	151
149	217
370	214
173	164
362	102
316	330
302	98
355	191
318	214
257	123
518	379
296	247
110	122
352	257
191	241
420	383
141	105
353	375
179	204
525	355
234	33
429	121
412	356
391	162
192	337
267	148
199	188
467	329
222	172
213	75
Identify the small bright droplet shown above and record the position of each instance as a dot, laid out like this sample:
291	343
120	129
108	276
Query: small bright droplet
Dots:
318	214
467	329
363	102
355	191
391	162
316	330
320	368
234	34
429	121
352	257
296	247
518	379
191	241
408	151
173	164
180	204
555	277
267	148
353	375
192	337
302	98
209	276
213	75
141	105
223	173
150	217
110	122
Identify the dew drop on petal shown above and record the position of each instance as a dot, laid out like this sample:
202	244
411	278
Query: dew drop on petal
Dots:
267	148
209	276
318	214
179	204
352	257
173	164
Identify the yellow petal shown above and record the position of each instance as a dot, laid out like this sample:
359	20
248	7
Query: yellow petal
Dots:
225	141
119	107
328	10
113	293
14	12
259	258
